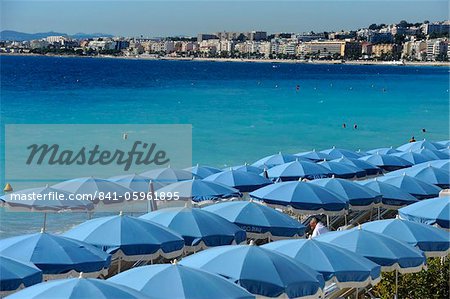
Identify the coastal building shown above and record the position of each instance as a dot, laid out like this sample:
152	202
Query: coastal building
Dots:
414	50
101	45
438	28
366	49
379	50
55	39
353	49
436	49
325	48
342	35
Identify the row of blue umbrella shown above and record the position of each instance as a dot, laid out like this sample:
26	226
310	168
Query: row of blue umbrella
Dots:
351	258
377	241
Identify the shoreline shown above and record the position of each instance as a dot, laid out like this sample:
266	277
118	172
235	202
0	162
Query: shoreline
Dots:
247	60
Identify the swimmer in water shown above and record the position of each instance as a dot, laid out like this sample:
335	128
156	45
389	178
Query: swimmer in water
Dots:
344	125
355	126
424	130
412	139
297	87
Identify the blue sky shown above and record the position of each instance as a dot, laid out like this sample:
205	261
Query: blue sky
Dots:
162	18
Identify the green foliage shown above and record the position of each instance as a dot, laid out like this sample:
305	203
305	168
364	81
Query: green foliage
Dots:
433	283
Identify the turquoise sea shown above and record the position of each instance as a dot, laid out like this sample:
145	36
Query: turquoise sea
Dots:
239	111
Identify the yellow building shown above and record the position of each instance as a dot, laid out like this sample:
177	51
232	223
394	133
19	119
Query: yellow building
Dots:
379	49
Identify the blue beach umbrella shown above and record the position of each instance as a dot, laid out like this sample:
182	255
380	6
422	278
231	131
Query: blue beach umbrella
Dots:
385	251
45	199
129	238
55	255
200	191
369	168
243	181
431	240
273	160
295	170
429	174
435	211
259	221
260	271
337	153
393	197
412	157
136	182
358	197
302	197
441	164
202	171
168	175
15	274
78	288
446	151
314	156
386	162
199	228
95	187
338	265
344	171
417	188
247	168
180	282
413	146
432	154
383	150
442	144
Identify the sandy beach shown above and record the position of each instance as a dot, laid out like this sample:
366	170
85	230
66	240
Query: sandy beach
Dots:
295	61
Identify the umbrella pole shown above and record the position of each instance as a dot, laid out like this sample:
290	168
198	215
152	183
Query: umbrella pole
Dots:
45	221
119	265
357	289
378	213
328	221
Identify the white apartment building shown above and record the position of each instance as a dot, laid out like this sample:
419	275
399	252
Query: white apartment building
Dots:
436	47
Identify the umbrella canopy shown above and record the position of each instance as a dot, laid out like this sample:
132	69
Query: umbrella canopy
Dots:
129	238
413	146
429	174
337	153
386	162
435	211
200	191
412	157
417	188
295	170
199	228
369	168
259	221
273	160
385	251
337	265
314	156
168	175
432	154
243	181
94	187
45	199
185	282
136	182
78	288
246	168
302	197
260	271
383	150
431	240
358	197
441	164
393	197
442	144
344	171
202	171
15	274
56	255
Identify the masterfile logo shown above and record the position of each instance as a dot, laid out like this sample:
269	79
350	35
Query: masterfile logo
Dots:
37	154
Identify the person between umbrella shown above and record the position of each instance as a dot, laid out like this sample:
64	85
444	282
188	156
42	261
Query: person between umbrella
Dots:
317	227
